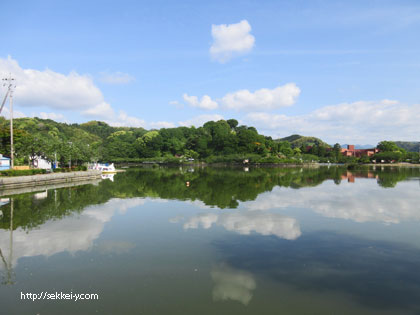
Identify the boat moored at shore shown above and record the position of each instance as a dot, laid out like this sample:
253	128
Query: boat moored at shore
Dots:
104	168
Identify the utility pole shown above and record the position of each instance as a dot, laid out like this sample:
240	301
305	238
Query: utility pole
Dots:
12	153
9	82
70	154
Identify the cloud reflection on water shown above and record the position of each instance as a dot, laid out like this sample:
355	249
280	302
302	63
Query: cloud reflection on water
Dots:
247	222
73	233
361	202
232	284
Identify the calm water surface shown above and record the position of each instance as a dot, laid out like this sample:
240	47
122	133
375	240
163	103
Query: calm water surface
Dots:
232	241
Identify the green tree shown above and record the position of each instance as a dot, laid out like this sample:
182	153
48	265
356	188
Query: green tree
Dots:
233	123
337	151
389	146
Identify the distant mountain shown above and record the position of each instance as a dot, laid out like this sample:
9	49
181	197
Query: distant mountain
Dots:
409	146
360	146
297	141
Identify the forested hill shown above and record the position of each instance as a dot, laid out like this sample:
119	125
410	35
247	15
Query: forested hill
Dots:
298	141
409	146
97	140
215	141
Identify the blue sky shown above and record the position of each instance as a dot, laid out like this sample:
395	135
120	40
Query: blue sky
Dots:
345	71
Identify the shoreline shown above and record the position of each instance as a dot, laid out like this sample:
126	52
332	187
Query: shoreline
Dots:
10	191
221	164
7	183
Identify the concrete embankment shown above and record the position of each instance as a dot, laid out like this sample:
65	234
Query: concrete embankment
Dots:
8	183
39	188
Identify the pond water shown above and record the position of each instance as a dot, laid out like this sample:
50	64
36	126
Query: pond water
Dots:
190	240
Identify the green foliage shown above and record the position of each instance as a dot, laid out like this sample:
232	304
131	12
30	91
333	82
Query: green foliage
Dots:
364	160
310	158
290	138
389	152
217	141
233	123
297	141
389	156
285	148
120	143
73	169
62	170
389	146
277	160
336	151
409	146
233	158
22	172
413	157
45	138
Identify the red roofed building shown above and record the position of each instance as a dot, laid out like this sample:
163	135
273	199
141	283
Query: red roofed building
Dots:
351	151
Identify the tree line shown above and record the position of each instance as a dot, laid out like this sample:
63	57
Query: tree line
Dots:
219	187
97	141
215	141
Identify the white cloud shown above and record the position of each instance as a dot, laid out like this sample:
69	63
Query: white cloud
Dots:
230	40
200	120
51	89
262	99
245	223
103	110
58	91
53	116
358	122
232	284
16	113
161	124
115	77
205	103
123	120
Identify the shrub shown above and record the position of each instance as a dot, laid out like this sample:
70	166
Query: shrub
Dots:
34	171
310	158
233	158
277	160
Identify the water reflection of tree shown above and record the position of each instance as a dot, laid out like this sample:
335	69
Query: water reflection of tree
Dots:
219	187
390	176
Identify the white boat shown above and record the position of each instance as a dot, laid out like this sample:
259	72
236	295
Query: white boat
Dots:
109	176
104	168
